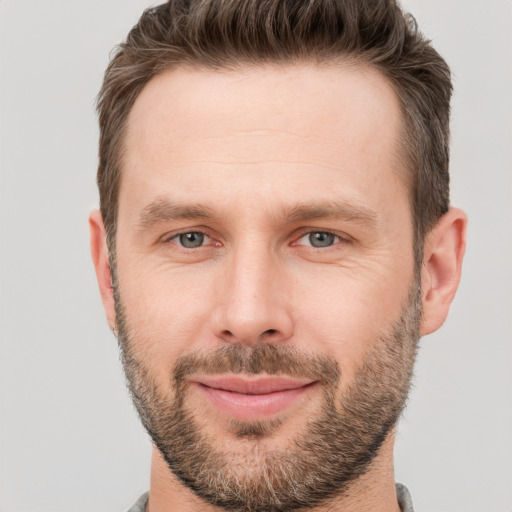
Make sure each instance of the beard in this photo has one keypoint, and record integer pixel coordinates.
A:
(335, 447)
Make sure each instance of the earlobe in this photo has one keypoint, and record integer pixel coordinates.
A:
(442, 263)
(99, 253)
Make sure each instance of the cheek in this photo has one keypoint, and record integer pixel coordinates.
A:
(344, 316)
(167, 313)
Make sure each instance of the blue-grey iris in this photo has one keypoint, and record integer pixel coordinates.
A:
(191, 240)
(321, 239)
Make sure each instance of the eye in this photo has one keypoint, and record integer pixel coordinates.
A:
(319, 239)
(190, 240)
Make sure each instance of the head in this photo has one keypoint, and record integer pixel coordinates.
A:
(274, 237)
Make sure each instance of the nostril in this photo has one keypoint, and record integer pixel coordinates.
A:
(270, 331)
(228, 334)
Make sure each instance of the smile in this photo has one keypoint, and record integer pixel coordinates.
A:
(254, 399)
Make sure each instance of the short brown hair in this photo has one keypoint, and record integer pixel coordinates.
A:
(230, 33)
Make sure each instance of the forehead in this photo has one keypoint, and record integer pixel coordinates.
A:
(263, 125)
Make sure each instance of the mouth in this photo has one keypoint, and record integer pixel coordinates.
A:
(253, 399)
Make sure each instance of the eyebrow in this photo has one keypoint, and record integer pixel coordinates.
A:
(332, 210)
(162, 210)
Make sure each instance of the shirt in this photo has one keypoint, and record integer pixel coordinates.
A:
(404, 500)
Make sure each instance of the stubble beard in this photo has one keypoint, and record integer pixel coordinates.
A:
(333, 450)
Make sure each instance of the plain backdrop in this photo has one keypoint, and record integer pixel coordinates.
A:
(70, 440)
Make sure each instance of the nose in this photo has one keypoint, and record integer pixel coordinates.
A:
(253, 305)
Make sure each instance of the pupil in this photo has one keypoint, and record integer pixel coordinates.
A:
(321, 239)
(191, 240)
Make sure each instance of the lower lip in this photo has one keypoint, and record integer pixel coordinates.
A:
(253, 407)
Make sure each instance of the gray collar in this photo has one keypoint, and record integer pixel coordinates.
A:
(404, 500)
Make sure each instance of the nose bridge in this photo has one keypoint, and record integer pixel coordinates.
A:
(253, 307)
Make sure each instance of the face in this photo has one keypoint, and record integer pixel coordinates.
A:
(266, 302)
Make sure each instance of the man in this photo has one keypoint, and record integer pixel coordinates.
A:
(274, 237)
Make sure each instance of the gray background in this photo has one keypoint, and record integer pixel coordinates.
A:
(69, 439)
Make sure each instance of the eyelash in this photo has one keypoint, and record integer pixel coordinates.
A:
(170, 238)
(340, 238)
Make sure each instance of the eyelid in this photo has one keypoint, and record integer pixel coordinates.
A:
(168, 237)
(343, 237)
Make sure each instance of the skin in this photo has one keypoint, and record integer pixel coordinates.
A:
(272, 154)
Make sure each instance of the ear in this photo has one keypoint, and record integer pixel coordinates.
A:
(442, 263)
(99, 254)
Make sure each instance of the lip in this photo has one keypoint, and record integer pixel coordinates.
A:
(252, 399)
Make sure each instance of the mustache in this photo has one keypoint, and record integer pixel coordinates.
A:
(271, 359)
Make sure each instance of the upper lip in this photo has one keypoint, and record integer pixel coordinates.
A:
(254, 386)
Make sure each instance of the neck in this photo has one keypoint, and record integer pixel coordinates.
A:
(372, 492)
